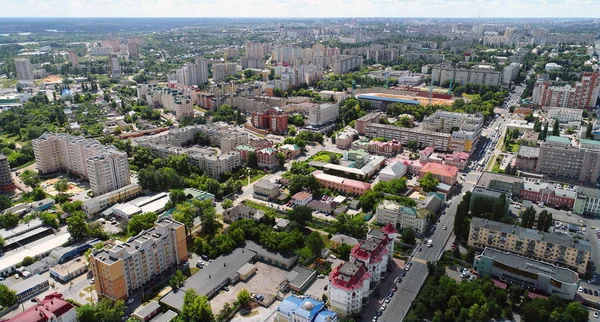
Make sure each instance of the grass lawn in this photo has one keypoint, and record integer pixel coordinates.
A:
(257, 177)
(7, 83)
(469, 96)
(514, 147)
(11, 138)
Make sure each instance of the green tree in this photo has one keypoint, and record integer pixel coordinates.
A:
(185, 213)
(315, 242)
(227, 203)
(369, 200)
(8, 297)
(556, 128)
(528, 217)
(412, 145)
(141, 222)
(70, 207)
(9, 220)
(177, 196)
(544, 221)
(281, 159)
(77, 227)
(49, 219)
(301, 215)
(499, 209)
(209, 222)
(30, 178)
(545, 131)
(588, 131)
(38, 194)
(408, 236)
(243, 297)
(5, 202)
(61, 185)
(196, 308)
(28, 260)
(176, 279)
(428, 182)
(252, 160)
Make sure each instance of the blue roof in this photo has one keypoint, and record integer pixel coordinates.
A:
(289, 304)
(309, 304)
(323, 315)
(387, 99)
(308, 308)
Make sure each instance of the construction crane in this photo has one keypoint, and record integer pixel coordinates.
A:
(353, 87)
(450, 88)
(430, 92)
(387, 79)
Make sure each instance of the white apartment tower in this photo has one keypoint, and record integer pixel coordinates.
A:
(24, 71)
(202, 70)
(105, 167)
(115, 69)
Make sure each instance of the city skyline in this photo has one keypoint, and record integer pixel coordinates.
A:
(302, 8)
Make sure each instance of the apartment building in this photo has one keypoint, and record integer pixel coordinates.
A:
(267, 158)
(6, 181)
(95, 205)
(565, 115)
(387, 212)
(105, 167)
(361, 123)
(424, 138)
(375, 252)
(231, 52)
(273, 119)
(133, 48)
(346, 63)
(560, 158)
(115, 69)
(170, 99)
(559, 249)
(73, 59)
(582, 95)
(349, 288)
(510, 73)
(465, 128)
(479, 74)
(24, 71)
(222, 70)
(343, 139)
(349, 186)
(123, 269)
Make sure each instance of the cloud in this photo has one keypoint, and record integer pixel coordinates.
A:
(299, 8)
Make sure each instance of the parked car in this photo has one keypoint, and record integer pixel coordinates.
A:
(387, 300)
(131, 300)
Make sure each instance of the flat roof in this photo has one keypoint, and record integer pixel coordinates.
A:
(300, 275)
(26, 235)
(165, 317)
(28, 283)
(287, 260)
(527, 264)
(557, 239)
(147, 309)
(211, 276)
(407, 99)
(66, 268)
(528, 151)
(487, 177)
(44, 245)
(20, 229)
(558, 139)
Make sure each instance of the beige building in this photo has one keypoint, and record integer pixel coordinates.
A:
(105, 167)
(24, 71)
(123, 269)
(343, 139)
(169, 99)
(424, 138)
(558, 156)
(479, 74)
(559, 249)
(465, 128)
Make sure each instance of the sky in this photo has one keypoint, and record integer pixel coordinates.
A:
(300, 8)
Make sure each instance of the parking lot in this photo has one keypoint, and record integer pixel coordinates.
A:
(265, 281)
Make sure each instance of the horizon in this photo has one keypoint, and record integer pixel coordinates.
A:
(302, 9)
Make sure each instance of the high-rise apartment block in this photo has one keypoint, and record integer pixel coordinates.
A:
(24, 71)
(272, 119)
(257, 50)
(73, 58)
(170, 99)
(115, 69)
(510, 73)
(559, 249)
(352, 283)
(286, 54)
(222, 70)
(479, 74)
(346, 63)
(465, 128)
(559, 157)
(105, 167)
(133, 48)
(122, 270)
(6, 181)
(583, 94)
(231, 52)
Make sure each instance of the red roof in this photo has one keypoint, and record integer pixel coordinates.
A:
(389, 229)
(440, 169)
(48, 309)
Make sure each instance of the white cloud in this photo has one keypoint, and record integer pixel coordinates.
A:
(299, 8)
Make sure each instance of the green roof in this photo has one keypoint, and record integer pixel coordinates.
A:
(409, 211)
(558, 139)
(592, 142)
(439, 195)
(198, 194)
(245, 147)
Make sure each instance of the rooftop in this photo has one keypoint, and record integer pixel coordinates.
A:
(558, 140)
(52, 307)
(300, 275)
(487, 177)
(528, 152)
(556, 239)
(144, 311)
(27, 284)
(560, 274)
(164, 317)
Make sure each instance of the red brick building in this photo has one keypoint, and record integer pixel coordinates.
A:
(267, 158)
(272, 119)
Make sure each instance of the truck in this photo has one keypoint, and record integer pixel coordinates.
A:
(429, 243)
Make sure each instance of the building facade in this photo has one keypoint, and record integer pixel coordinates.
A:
(560, 158)
(24, 71)
(424, 138)
(123, 269)
(6, 180)
(582, 95)
(106, 168)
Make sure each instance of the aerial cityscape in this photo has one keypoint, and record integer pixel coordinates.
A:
(314, 162)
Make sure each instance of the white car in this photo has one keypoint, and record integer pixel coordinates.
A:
(580, 289)
(131, 300)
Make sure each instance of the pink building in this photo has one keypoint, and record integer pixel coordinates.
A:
(447, 174)
(335, 183)
(457, 159)
(267, 158)
(52, 308)
(425, 153)
(385, 148)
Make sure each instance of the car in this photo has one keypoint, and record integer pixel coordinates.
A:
(407, 268)
(320, 276)
(379, 312)
(131, 300)
(200, 264)
(394, 289)
(585, 290)
(34, 300)
(226, 289)
(383, 307)
(325, 288)
(596, 315)
(445, 227)
(403, 274)
(399, 280)
(420, 248)
(204, 257)
(387, 300)
(374, 319)
(92, 281)
(186, 263)
(332, 256)
(390, 294)
(595, 293)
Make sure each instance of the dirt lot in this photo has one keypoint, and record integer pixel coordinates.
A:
(265, 281)
(48, 187)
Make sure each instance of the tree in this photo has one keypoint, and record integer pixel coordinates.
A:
(412, 145)
(77, 227)
(184, 213)
(227, 203)
(209, 222)
(9, 220)
(301, 215)
(555, 128)
(49, 219)
(177, 196)
(141, 222)
(428, 182)
(544, 221)
(528, 217)
(176, 279)
(243, 297)
(588, 131)
(30, 178)
(38, 194)
(499, 209)
(5, 202)
(281, 159)
(61, 185)
(315, 242)
(196, 308)
(8, 297)
(545, 131)
(408, 236)
(369, 200)
(28, 260)
(252, 160)
(71, 207)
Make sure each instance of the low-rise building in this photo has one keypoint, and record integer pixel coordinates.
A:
(361, 123)
(266, 190)
(387, 212)
(267, 158)
(242, 211)
(97, 204)
(290, 150)
(51, 308)
(527, 158)
(344, 139)
(306, 309)
(29, 288)
(537, 276)
(322, 206)
(301, 198)
(447, 174)
(565, 115)
(529, 138)
(559, 249)
(155, 203)
(334, 183)
(68, 271)
(300, 278)
(395, 170)
(588, 202)
(146, 312)
(340, 239)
